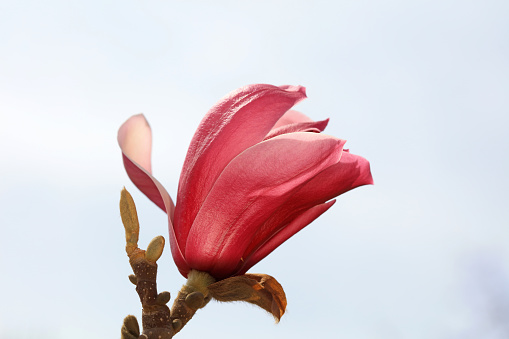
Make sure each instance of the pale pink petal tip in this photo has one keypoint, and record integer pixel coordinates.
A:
(135, 140)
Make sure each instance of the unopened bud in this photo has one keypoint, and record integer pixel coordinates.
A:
(176, 324)
(195, 300)
(155, 249)
(130, 220)
(163, 298)
(133, 279)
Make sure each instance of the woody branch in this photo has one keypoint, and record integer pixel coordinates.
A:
(157, 319)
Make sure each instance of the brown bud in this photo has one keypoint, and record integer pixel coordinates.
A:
(195, 300)
(176, 324)
(133, 279)
(155, 249)
(163, 298)
(130, 220)
(130, 328)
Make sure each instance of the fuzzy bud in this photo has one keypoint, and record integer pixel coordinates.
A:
(155, 249)
(130, 220)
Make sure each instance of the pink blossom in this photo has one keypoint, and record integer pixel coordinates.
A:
(255, 174)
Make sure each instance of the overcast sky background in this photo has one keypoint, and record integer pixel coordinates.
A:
(419, 88)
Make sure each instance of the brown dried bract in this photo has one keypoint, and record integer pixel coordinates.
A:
(258, 289)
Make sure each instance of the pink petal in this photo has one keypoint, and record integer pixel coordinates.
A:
(350, 172)
(291, 117)
(135, 140)
(284, 234)
(311, 126)
(249, 190)
(237, 122)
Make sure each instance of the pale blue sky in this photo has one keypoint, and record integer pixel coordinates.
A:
(419, 88)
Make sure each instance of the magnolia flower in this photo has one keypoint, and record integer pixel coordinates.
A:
(255, 174)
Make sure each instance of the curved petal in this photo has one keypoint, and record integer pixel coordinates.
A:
(350, 172)
(291, 117)
(284, 234)
(311, 126)
(135, 141)
(248, 191)
(237, 122)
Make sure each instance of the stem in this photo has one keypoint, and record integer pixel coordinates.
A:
(157, 319)
(191, 297)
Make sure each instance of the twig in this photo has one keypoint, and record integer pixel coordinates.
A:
(157, 319)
